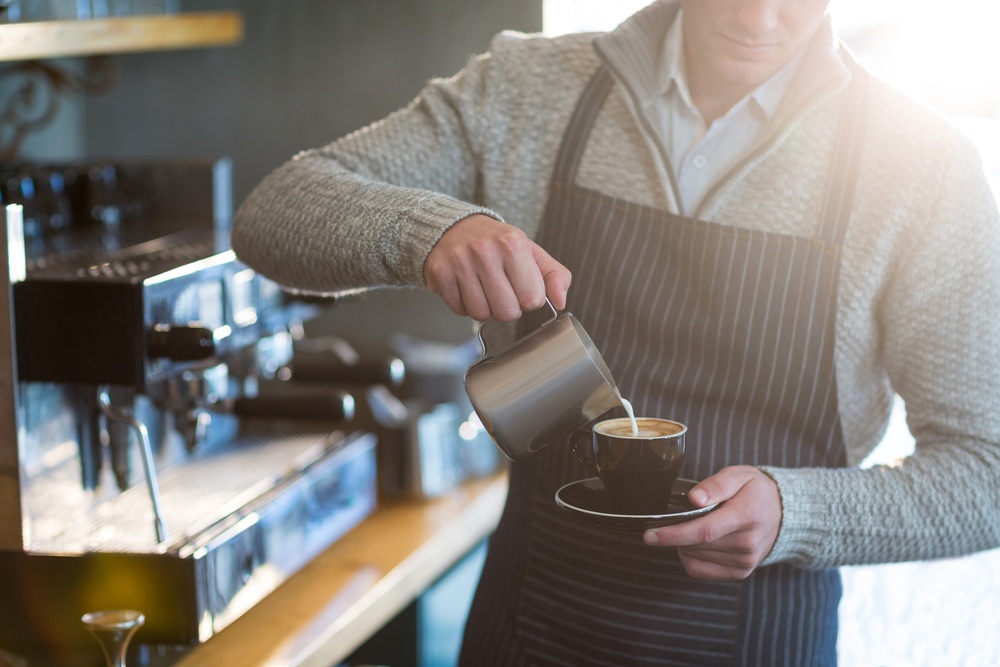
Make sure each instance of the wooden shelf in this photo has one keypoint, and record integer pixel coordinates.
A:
(56, 39)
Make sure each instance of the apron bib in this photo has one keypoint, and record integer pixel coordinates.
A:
(727, 330)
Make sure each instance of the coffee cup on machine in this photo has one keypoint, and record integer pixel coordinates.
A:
(638, 465)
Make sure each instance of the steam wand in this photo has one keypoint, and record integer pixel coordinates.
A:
(104, 400)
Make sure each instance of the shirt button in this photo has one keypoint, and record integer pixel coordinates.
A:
(699, 161)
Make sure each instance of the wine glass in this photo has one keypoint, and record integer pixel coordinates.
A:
(113, 629)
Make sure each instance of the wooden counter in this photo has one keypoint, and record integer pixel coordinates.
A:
(333, 605)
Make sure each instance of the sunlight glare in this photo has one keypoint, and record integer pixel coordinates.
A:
(945, 55)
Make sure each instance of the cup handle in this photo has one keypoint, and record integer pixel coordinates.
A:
(582, 446)
(490, 324)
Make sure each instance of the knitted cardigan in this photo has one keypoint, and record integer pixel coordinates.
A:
(918, 311)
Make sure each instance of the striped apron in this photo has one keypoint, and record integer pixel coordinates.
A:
(727, 330)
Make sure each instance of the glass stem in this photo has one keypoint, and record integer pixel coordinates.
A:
(113, 630)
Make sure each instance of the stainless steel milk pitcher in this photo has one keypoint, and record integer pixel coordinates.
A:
(543, 385)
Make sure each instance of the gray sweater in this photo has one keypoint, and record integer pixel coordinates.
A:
(918, 309)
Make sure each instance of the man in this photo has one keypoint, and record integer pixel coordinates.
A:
(764, 242)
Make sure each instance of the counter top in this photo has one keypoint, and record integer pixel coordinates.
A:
(335, 603)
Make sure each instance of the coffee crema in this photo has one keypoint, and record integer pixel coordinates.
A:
(647, 428)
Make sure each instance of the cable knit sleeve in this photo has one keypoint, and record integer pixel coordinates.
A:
(366, 209)
(938, 320)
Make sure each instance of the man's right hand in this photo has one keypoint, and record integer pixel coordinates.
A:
(484, 268)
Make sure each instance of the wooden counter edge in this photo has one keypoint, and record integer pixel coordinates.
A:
(320, 615)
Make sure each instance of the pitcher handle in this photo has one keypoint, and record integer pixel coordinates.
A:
(492, 323)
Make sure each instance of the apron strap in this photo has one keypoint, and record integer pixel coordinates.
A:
(580, 124)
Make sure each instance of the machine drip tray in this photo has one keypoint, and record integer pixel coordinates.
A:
(241, 521)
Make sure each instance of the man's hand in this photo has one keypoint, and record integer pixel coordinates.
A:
(484, 268)
(733, 540)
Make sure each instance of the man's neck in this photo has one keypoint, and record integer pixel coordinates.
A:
(714, 102)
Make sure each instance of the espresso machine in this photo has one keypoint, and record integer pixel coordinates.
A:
(155, 453)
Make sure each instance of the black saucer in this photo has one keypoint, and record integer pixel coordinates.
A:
(587, 500)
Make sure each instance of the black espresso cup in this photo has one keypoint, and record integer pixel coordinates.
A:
(638, 469)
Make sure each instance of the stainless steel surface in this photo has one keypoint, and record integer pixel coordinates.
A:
(10, 470)
(195, 494)
(148, 342)
(146, 451)
(245, 518)
(544, 385)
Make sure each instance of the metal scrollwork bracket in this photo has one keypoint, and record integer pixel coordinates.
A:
(33, 100)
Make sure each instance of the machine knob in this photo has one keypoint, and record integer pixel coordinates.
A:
(284, 402)
(180, 342)
(321, 367)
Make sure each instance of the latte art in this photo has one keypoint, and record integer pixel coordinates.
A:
(645, 428)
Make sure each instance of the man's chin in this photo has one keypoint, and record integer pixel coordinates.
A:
(747, 74)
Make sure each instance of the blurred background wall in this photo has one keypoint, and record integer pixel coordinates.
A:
(306, 72)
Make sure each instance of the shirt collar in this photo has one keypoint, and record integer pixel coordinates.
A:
(672, 66)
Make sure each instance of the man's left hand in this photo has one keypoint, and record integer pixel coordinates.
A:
(730, 542)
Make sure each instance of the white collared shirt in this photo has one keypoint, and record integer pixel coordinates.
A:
(700, 155)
